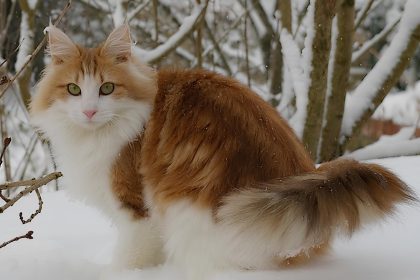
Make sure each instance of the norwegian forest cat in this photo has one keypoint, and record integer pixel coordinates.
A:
(193, 167)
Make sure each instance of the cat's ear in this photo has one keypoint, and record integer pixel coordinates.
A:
(60, 46)
(118, 44)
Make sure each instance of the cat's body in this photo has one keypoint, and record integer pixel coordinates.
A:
(193, 167)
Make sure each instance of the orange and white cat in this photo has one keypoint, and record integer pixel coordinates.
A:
(193, 167)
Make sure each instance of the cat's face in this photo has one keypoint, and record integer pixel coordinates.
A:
(92, 88)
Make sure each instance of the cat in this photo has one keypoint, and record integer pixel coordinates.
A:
(193, 167)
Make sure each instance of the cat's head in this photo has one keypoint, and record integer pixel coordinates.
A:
(92, 88)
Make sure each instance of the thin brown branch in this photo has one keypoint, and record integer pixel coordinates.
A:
(248, 74)
(8, 21)
(227, 32)
(132, 14)
(36, 51)
(155, 55)
(4, 198)
(28, 235)
(32, 185)
(217, 49)
(5, 157)
(363, 14)
(33, 215)
(301, 16)
(199, 41)
(6, 143)
(12, 53)
(156, 21)
(367, 46)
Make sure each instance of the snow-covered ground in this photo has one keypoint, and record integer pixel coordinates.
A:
(73, 241)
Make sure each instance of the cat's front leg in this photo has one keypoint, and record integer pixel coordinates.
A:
(138, 245)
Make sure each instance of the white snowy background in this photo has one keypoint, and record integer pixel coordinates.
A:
(74, 241)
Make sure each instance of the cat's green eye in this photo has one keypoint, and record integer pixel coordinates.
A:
(106, 88)
(73, 89)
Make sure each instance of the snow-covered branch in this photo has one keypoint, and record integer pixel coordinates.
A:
(294, 65)
(400, 144)
(368, 45)
(361, 104)
(189, 24)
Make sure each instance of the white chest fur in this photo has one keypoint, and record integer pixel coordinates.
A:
(86, 157)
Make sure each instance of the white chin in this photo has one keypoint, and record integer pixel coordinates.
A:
(89, 125)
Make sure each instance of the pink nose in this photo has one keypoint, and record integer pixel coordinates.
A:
(89, 113)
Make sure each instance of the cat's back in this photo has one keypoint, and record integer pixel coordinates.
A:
(210, 131)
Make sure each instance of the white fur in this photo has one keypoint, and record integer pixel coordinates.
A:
(201, 246)
(85, 151)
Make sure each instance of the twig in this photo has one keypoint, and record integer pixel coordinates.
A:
(5, 199)
(33, 215)
(226, 33)
(5, 153)
(155, 55)
(13, 52)
(156, 21)
(8, 21)
(32, 185)
(367, 46)
(301, 16)
(6, 143)
(363, 13)
(10, 185)
(36, 51)
(28, 235)
(217, 49)
(248, 75)
(137, 10)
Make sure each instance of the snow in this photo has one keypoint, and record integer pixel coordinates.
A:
(401, 108)
(293, 61)
(32, 4)
(399, 144)
(118, 16)
(73, 241)
(300, 67)
(26, 39)
(377, 38)
(361, 99)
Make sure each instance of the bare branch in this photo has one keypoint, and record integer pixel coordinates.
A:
(33, 215)
(248, 74)
(6, 143)
(28, 235)
(217, 48)
(367, 46)
(363, 13)
(133, 13)
(301, 16)
(35, 52)
(32, 185)
(176, 39)
(377, 84)
(8, 21)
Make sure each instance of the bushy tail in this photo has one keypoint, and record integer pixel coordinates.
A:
(305, 210)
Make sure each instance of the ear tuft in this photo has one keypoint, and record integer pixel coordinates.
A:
(60, 46)
(118, 44)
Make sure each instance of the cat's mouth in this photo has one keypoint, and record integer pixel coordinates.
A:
(94, 124)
